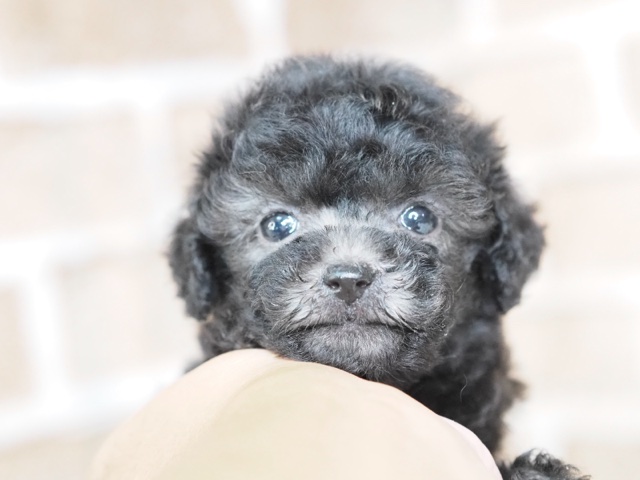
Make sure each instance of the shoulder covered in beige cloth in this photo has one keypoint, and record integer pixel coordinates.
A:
(251, 415)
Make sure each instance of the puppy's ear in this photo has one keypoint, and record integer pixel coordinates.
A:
(196, 268)
(515, 249)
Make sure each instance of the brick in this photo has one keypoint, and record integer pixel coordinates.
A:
(630, 57)
(576, 328)
(121, 314)
(605, 458)
(15, 374)
(68, 174)
(593, 224)
(540, 95)
(510, 12)
(363, 25)
(63, 458)
(576, 346)
(192, 126)
(36, 34)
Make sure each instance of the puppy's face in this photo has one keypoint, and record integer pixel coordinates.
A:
(336, 234)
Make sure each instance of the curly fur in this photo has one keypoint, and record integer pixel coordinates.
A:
(345, 146)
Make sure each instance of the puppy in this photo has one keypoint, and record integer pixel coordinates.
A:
(350, 213)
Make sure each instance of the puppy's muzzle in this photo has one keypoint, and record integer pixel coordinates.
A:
(348, 282)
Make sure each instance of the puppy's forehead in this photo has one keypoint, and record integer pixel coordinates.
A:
(337, 149)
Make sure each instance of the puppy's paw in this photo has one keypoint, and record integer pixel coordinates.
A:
(538, 465)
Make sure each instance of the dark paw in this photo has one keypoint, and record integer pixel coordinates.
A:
(537, 465)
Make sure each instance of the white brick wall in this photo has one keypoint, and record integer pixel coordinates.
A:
(98, 127)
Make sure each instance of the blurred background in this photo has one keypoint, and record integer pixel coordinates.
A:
(104, 106)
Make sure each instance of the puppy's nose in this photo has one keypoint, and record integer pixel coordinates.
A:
(348, 282)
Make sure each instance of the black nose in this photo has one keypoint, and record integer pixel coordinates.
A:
(348, 282)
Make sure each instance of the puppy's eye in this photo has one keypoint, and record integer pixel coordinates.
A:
(419, 219)
(278, 226)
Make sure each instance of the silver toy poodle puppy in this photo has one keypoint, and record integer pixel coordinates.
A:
(352, 213)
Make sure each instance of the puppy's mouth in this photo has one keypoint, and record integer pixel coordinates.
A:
(357, 347)
(350, 325)
(350, 321)
(357, 338)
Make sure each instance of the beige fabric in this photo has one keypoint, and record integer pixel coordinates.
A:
(250, 415)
